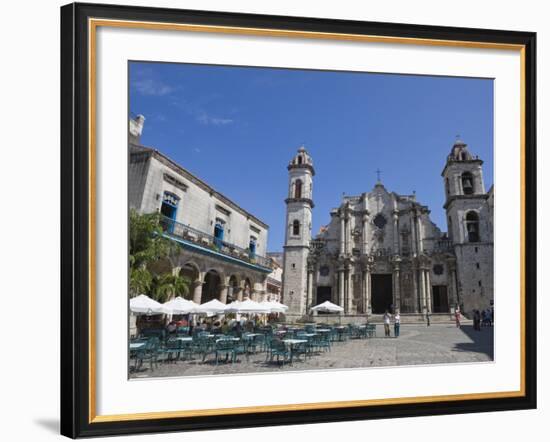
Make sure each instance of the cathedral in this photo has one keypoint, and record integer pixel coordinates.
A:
(381, 251)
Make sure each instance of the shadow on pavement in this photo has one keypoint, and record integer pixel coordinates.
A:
(482, 341)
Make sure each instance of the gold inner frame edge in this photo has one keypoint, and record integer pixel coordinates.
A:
(93, 24)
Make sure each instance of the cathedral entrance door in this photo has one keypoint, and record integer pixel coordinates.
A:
(324, 293)
(440, 300)
(382, 293)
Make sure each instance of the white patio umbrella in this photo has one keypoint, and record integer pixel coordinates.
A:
(280, 305)
(145, 305)
(274, 306)
(210, 308)
(247, 306)
(327, 307)
(179, 306)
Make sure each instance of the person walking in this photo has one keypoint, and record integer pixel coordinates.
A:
(387, 318)
(457, 317)
(396, 323)
(477, 320)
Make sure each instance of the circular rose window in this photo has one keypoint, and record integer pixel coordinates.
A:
(438, 269)
(324, 271)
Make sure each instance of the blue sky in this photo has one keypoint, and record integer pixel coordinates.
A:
(237, 128)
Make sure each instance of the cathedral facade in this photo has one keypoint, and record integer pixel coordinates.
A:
(381, 251)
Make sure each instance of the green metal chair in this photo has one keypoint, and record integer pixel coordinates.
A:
(172, 350)
(279, 349)
(225, 347)
(301, 349)
(203, 346)
(149, 352)
(241, 348)
(371, 330)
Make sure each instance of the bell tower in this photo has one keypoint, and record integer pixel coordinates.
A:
(299, 204)
(469, 227)
(464, 192)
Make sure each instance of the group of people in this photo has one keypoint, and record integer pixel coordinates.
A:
(396, 323)
(483, 318)
(214, 325)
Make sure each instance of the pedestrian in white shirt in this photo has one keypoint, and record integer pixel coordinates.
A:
(396, 323)
(387, 319)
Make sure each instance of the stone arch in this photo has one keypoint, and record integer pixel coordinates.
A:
(467, 180)
(298, 186)
(472, 226)
(233, 286)
(212, 284)
(191, 270)
(247, 287)
(296, 227)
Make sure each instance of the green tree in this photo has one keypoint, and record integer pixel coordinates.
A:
(169, 285)
(146, 241)
(141, 281)
(147, 247)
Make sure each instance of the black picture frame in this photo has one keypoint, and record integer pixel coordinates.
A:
(76, 248)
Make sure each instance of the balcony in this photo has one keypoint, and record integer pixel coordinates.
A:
(189, 235)
(444, 245)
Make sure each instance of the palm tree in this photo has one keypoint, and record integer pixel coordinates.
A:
(148, 246)
(140, 281)
(169, 285)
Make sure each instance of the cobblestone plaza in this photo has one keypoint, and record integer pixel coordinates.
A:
(416, 345)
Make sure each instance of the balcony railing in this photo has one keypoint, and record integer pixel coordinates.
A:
(178, 230)
(444, 245)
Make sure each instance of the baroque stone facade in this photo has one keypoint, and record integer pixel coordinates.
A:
(380, 250)
(223, 246)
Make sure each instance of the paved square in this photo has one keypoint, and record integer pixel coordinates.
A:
(417, 344)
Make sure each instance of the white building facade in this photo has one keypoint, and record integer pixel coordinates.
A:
(223, 246)
(380, 250)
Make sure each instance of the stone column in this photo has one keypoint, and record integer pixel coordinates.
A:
(415, 294)
(364, 235)
(363, 292)
(413, 233)
(197, 291)
(223, 293)
(348, 235)
(453, 298)
(428, 291)
(309, 298)
(422, 290)
(342, 234)
(349, 292)
(341, 287)
(419, 239)
(238, 293)
(396, 288)
(395, 232)
(368, 308)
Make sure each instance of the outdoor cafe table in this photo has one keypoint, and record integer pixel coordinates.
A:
(323, 330)
(292, 344)
(136, 345)
(184, 339)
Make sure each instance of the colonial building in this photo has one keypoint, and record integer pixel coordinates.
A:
(380, 250)
(223, 246)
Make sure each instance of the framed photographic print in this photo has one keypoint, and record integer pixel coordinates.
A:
(274, 220)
